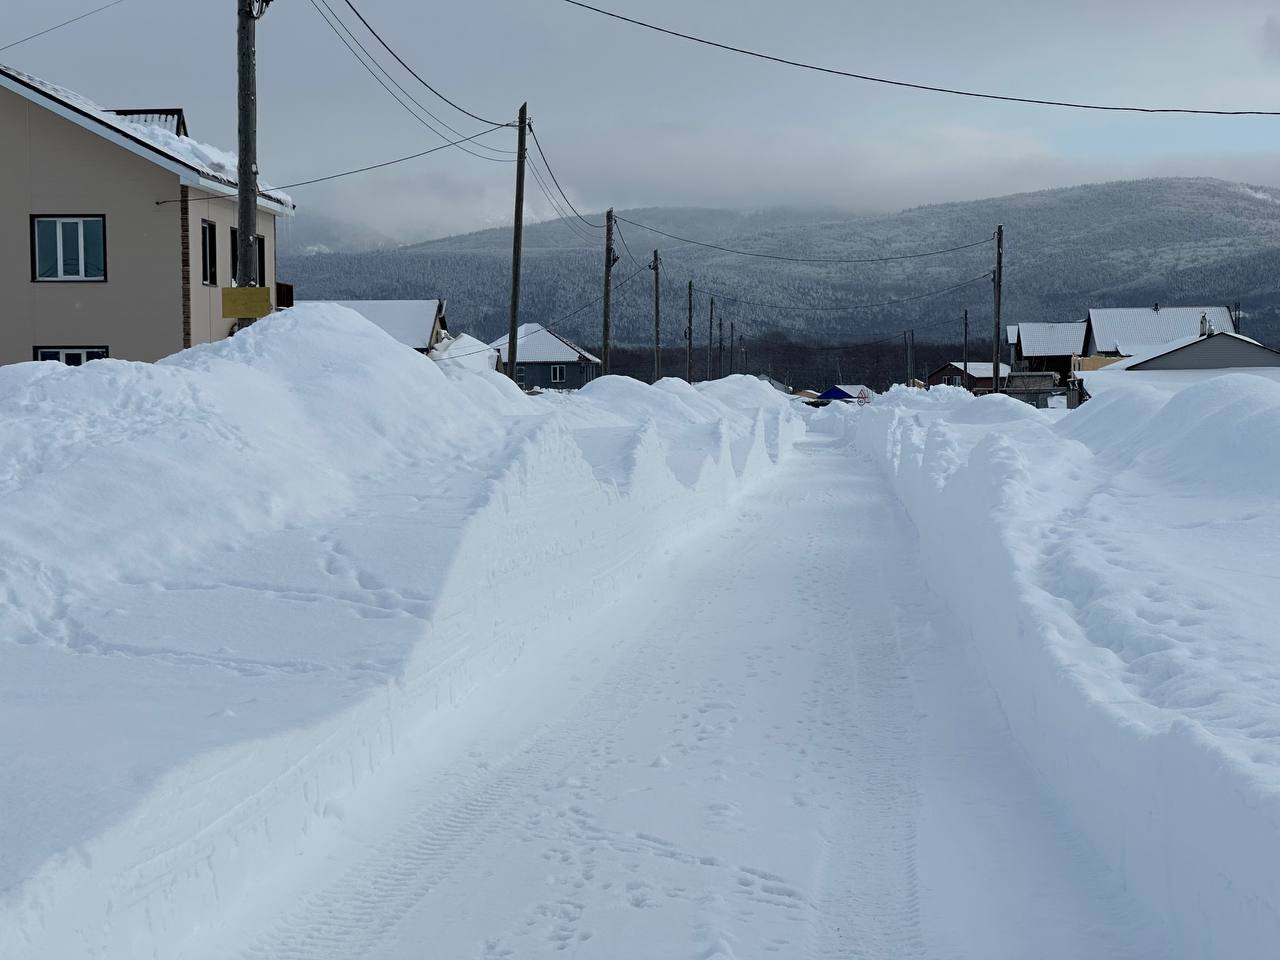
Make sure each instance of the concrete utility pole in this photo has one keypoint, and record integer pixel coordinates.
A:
(997, 283)
(517, 238)
(249, 12)
(966, 349)
(688, 340)
(610, 258)
(711, 332)
(656, 267)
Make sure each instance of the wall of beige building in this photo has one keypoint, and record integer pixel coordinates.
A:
(207, 323)
(51, 166)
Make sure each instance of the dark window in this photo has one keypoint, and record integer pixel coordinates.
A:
(259, 245)
(71, 356)
(557, 373)
(209, 253)
(520, 374)
(68, 248)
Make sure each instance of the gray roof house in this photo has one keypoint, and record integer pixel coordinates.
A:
(1049, 347)
(1127, 331)
(546, 360)
(115, 229)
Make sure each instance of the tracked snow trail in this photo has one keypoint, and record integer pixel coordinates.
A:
(772, 746)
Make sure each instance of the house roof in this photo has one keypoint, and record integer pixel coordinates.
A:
(845, 391)
(1052, 339)
(409, 321)
(1129, 330)
(1151, 353)
(977, 369)
(172, 119)
(196, 164)
(1011, 333)
(537, 344)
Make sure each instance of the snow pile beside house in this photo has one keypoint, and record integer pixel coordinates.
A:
(235, 578)
(1116, 569)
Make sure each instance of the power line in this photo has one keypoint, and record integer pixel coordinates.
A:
(772, 256)
(378, 166)
(334, 25)
(618, 230)
(562, 217)
(400, 60)
(845, 309)
(59, 26)
(546, 163)
(917, 86)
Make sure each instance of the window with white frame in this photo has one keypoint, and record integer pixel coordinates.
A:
(208, 253)
(520, 374)
(68, 248)
(71, 356)
(557, 373)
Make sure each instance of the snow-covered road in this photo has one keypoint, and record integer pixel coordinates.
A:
(773, 744)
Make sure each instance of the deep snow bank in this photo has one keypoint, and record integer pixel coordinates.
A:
(1116, 568)
(235, 578)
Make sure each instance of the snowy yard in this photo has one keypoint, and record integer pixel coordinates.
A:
(341, 653)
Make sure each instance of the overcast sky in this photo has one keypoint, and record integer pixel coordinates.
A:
(632, 118)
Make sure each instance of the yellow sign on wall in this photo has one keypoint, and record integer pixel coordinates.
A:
(248, 302)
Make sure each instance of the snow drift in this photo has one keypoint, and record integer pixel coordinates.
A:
(235, 578)
(1116, 569)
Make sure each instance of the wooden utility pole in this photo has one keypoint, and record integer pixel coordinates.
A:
(720, 351)
(516, 240)
(248, 13)
(911, 358)
(711, 332)
(997, 282)
(906, 349)
(688, 340)
(742, 355)
(656, 267)
(610, 258)
(732, 358)
(966, 349)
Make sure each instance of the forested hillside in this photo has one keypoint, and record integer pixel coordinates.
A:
(1177, 241)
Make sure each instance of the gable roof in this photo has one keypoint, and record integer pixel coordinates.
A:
(196, 164)
(537, 344)
(1129, 330)
(412, 322)
(1139, 361)
(1052, 339)
(977, 369)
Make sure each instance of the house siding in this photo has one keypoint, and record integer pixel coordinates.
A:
(51, 166)
(1214, 353)
(207, 323)
(576, 375)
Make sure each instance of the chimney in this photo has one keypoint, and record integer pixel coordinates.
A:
(1204, 324)
(1156, 308)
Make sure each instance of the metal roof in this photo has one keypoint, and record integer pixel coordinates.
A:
(195, 163)
(537, 344)
(1129, 329)
(1052, 339)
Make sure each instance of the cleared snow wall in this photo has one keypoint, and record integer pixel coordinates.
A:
(1192, 828)
(546, 522)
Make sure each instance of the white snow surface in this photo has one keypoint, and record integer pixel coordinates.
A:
(1115, 567)
(234, 576)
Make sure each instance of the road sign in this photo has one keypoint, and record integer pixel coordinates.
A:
(863, 397)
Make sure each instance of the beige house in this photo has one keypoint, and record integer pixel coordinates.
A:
(116, 229)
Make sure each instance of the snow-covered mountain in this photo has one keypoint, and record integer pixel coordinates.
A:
(1167, 240)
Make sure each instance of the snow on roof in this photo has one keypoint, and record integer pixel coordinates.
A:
(1117, 329)
(980, 370)
(409, 321)
(537, 344)
(1052, 339)
(158, 142)
(1151, 351)
(1011, 333)
(465, 351)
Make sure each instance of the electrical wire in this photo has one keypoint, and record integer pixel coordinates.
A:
(546, 163)
(377, 166)
(618, 230)
(772, 256)
(917, 86)
(400, 60)
(849, 308)
(59, 26)
(334, 25)
(561, 216)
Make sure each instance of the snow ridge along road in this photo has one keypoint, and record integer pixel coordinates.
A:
(766, 747)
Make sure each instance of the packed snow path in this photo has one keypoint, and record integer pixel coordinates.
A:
(772, 746)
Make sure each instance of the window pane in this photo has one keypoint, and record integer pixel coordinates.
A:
(95, 250)
(235, 256)
(70, 248)
(46, 249)
(95, 355)
(260, 245)
(73, 358)
(50, 355)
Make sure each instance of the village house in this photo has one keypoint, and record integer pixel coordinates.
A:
(546, 360)
(976, 380)
(117, 230)
(420, 324)
(1128, 331)
(1048, 348)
